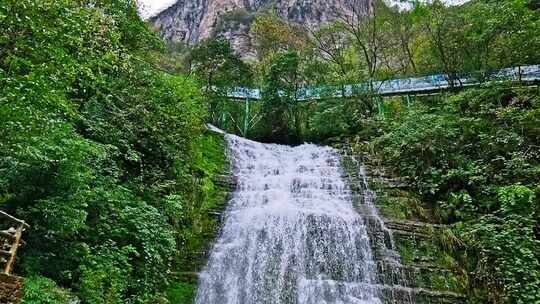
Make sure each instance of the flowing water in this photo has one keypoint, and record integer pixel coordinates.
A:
(291, 234)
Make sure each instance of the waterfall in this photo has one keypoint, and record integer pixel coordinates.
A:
(291, 234)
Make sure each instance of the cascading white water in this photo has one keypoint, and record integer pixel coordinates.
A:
(291, 234)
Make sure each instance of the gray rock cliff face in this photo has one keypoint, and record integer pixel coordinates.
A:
(190, 21)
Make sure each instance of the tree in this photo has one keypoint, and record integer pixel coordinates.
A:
(273, 35)
(401, 31)
(219, 69)
(215, 63)
(364, 25)
(332, 44)
(94, 139)
(444, 35)
(510, 30)
(281, 84)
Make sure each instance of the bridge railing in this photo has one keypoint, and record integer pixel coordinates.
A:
(413, 85)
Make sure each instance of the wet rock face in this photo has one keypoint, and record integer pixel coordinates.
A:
(190, 21)
(412, 267)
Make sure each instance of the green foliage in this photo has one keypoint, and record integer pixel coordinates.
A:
(398, 204)
(219, 69)
(473, 157)
(334, 118)
(40, 290)
(508, 244)
(199, 226)
(96, 148)
(103, 274)
(181, 293)
(475, 37)
(273, 35)
(216, 64)
(106, 157)
(281, 83)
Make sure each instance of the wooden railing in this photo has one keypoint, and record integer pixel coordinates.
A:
(10, 240)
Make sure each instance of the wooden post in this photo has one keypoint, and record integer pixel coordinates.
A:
(13, 250)
(11, 255)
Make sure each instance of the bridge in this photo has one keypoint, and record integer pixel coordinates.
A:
(408, 86)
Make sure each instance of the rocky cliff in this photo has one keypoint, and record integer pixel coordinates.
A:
(190, 21)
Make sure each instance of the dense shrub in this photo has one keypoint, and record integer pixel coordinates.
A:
(181, 293)
(95, 147)
(474, 157)
(40, 290)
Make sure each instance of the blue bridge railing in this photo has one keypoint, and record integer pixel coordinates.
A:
(406, 86)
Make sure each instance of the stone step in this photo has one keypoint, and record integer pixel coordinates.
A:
(407, 224)
(413, 275)
(395, 294)
(226, 181)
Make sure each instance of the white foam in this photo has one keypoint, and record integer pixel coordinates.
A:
(290, 234)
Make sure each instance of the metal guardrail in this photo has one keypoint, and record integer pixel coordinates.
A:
(415, 85)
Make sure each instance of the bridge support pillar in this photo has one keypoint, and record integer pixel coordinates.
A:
(246, 118)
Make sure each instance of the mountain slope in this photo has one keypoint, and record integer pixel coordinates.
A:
(190, 21)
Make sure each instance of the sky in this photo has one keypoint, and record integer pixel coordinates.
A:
(152, 7)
